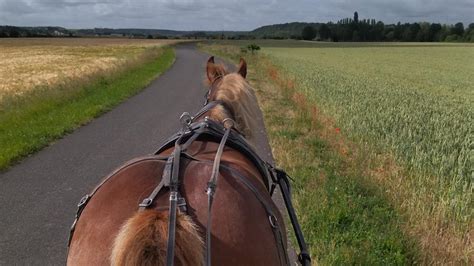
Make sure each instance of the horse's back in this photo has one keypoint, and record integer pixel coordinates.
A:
(241, 233)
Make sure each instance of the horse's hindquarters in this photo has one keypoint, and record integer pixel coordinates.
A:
(241, 231)
(113, 203)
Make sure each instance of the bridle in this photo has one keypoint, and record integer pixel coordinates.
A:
(212, 87)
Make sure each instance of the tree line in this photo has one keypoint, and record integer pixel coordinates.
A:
(366, 30)
(347, 29)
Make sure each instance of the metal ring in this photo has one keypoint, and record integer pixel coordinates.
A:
(273, 221)
(185, 119)
(228, 120)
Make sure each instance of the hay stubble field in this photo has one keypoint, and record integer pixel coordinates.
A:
(50, 86)
(34, 63)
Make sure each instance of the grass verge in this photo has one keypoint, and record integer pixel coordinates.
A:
(346, 219)
(31, 122)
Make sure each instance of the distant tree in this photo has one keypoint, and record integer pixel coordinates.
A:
(356, 17)
(433, 35)
(444, 32)
(414, 29)
(423, 34)
(355, 36)
(397, 32)
(469, 34)
(253, 48)
(308, 33)
(324, 32)
(458, 29)
(149, 36)
(14, 32)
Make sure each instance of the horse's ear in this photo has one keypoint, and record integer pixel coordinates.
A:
(242, 68)
(210, 60)
(211, 69)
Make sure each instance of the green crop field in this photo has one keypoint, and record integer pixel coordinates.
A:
(417, 102)
(407, 111)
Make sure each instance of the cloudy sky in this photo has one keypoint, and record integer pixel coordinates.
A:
(223, 14)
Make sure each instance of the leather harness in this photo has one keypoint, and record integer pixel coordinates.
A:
(226, 135)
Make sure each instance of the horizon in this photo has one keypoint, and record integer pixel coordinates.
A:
(211, 15)
(204, 30)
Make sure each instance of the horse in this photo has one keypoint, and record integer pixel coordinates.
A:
(118, 224)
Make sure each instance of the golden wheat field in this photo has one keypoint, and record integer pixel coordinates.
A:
(37, 63)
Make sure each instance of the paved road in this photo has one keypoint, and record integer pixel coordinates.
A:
(38, 196)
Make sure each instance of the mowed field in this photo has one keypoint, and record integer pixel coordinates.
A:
(50, 86)
(395, 119)
(44, 62)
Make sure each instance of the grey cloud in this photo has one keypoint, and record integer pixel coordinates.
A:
(223, 15)
(15, 7)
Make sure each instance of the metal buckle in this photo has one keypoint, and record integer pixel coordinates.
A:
(273, 221)
(182, 205)
(173, 196)
(83, 200)
(145, 203)
(211, 188)
(186, 120)
(304, 258)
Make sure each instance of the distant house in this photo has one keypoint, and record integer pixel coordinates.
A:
(58, 33)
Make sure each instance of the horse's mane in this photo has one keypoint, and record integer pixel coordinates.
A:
(238, 95)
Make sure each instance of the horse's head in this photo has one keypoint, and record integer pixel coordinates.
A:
(238, 98)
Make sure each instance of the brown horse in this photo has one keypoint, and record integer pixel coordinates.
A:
(247, 228)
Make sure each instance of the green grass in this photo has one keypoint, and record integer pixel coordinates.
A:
(345, 220)
(33, 121)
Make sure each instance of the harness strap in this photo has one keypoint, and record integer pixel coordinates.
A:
(149, 200)
(211, 188)
(174, 186)
(304, 256)
(206, 108)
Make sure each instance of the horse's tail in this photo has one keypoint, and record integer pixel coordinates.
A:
(143, 241)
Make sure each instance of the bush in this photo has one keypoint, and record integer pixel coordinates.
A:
(253, 48)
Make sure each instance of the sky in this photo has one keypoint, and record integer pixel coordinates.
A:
(223, 14)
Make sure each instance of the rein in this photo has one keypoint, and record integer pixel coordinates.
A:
(212, 185)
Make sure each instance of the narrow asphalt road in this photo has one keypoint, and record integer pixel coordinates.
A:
(38, 196)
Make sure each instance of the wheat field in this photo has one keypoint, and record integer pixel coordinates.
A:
(413, 103)
(33, 63)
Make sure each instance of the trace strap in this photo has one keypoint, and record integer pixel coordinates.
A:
(282, 178)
